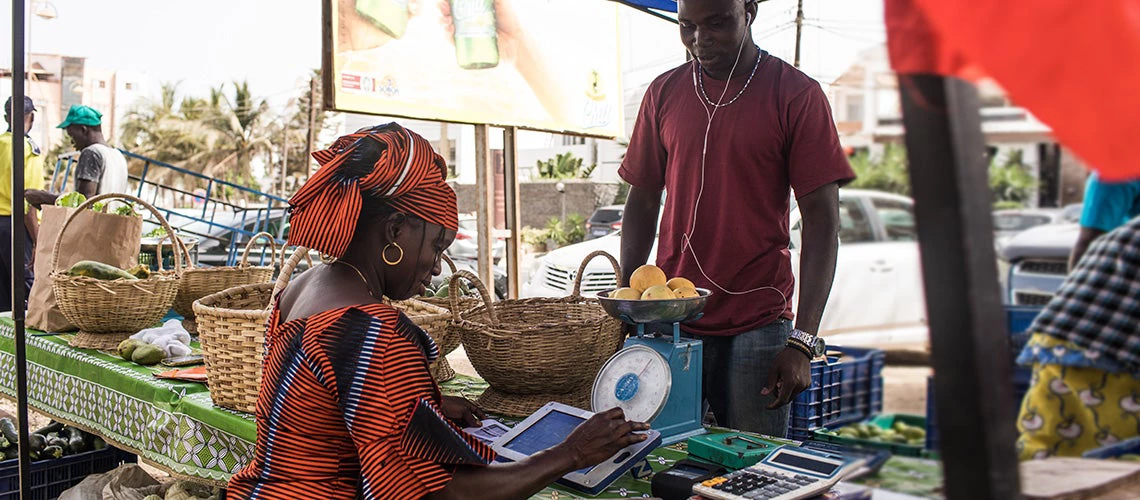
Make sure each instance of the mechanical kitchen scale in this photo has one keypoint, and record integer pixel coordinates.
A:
(656, 376)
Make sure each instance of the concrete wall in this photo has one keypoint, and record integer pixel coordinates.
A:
(540, 200)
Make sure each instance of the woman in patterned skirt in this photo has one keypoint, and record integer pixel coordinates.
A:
(1085, 354)
(348, 407)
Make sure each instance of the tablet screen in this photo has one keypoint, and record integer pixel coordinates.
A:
(545, 433)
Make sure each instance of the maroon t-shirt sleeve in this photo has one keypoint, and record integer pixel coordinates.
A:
(645, 158)
(815, 157)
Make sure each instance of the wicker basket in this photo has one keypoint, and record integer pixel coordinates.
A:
(231, 328)
(464, 303)
(434, 320)
(200, 282)
(107, 312)
(533, 351)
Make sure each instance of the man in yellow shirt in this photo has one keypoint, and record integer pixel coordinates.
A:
(33, 179)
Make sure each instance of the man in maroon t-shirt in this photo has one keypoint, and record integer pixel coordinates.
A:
(729, 179)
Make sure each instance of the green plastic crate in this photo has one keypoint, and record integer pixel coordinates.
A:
(885, 421)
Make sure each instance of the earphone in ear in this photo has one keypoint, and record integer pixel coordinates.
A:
(747, 18)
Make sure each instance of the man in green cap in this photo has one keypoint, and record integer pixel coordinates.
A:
(101, 168)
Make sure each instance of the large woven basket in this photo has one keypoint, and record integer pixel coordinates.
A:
(107, 312)
(533, 351)
(434, 320)
(200, 282)
(464, 303)
(231, 328)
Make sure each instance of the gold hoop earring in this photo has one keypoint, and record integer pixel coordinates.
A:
(384, 254)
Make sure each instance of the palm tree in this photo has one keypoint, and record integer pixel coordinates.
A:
(239, 122)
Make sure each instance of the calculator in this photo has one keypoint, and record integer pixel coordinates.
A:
(788, 473)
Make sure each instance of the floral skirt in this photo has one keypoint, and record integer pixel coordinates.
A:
(1069, 410)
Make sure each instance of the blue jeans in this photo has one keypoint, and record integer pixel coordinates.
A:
(736, 369)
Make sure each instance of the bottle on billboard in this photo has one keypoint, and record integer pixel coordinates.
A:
(476, 33)
(391, 16)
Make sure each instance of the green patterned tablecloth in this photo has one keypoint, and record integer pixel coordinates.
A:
(175, 425)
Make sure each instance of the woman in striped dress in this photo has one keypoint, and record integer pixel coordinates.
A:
(348, 407)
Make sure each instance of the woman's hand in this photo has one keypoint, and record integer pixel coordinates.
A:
(463, 412)
(601, 437)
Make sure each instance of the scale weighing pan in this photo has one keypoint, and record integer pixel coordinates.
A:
(654, 311)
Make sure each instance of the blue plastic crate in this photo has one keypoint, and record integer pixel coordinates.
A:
(1020, 387)
(841, 392)
(50, 478)
(1126, 447)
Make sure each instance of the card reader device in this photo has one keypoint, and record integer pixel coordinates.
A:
(550, 425)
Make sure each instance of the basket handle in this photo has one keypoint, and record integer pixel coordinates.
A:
(582, 270)
(284, 259)
(178, 245)
(113, 196)
(450, 263)
(272, 246)
(287, 273)
(453, 295)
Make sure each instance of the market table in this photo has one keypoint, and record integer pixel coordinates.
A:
(175, 426)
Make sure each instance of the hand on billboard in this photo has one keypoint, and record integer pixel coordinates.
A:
(355, 32)
(507, 25)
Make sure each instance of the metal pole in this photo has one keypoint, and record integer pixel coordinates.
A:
(284, 155)
(485, 192)
(513, 207)
(18, 239)
(973, 373)
(799, 30)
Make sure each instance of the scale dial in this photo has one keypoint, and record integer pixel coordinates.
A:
(636, 379)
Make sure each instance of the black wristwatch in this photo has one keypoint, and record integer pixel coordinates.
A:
(816, 347)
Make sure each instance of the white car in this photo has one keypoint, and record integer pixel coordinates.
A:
(877, 296)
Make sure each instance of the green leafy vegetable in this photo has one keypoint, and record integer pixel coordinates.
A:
(70, 200)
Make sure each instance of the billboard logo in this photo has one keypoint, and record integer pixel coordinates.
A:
(365, 84)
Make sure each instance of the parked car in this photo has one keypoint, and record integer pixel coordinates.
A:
(605, 220)
(878, 252)
(1035, 262)
(466, 245)
(1008, 223)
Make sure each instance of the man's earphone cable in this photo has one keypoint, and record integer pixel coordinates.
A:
(686, 238)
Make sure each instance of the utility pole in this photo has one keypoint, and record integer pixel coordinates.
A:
(799, 30)
(312, 118)
(284, 154)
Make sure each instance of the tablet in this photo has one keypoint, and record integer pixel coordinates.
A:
(550, 425)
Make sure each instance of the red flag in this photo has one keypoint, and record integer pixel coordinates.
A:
(1075, 64)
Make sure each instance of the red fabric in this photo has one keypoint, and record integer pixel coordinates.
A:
(336, 412)
(778, 134)
(408, 175)
(1074, 63)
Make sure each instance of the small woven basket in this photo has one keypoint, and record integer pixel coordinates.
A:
(231, 328)
(108, 312)
(533, 351)
(434, 320)
(202, 281)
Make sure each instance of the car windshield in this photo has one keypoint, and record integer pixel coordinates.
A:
(606, 216)
(1018, 222)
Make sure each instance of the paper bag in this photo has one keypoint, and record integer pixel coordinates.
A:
(107, 238)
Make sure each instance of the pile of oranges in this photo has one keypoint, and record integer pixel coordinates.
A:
(649, 282)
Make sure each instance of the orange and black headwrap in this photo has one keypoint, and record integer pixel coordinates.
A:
(408, 176)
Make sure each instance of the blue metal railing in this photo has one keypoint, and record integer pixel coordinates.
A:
(268, 214)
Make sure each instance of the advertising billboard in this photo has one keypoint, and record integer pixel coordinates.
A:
(539, 64)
